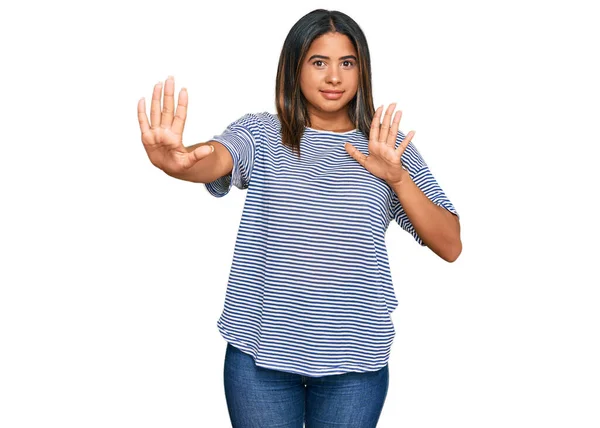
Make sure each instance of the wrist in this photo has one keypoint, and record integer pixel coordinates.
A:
(401, 180)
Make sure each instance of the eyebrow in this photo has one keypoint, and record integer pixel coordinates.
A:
(326, 57)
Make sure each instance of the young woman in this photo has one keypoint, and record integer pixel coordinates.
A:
(307, 315)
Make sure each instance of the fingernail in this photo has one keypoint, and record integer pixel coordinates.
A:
(212, 148)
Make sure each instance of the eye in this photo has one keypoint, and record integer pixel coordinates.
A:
(317, 61)
(350, 63)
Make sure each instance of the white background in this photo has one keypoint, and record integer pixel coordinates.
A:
(113, 274)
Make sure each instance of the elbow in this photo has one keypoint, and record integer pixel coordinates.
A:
(454, 247)
(453, 252)
(448, 252)
(447, 244)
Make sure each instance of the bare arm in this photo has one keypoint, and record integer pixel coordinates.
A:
(438, 228)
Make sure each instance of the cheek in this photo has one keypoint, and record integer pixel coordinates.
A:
(310, 79)
(354, 83)
(308, 85)
(305, 81)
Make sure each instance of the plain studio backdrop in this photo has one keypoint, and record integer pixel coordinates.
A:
(113, 274)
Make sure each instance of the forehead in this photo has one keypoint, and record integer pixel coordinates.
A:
(332, 42)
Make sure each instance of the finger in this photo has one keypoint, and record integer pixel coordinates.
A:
(181, 114)
(393, 135)
(355, 153)
(166, 119)
(155, 106)
(385, 126)
(405, 142)
(198, 154)
(374, 133)
(142, 117)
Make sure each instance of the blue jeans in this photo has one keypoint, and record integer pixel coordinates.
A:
(260, 398)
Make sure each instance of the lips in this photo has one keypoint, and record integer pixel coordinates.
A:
(332, 95)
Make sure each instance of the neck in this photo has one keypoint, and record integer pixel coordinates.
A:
(335, 122)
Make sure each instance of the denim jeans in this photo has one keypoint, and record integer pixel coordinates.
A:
(260, 398)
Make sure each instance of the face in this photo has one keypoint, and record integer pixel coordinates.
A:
(330, 65)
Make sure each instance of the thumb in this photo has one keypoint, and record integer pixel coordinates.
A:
(355, 153)
(200, 153)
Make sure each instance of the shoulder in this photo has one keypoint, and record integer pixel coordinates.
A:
(260, 127)
(267, 119)
(266, 123)
(263, 119)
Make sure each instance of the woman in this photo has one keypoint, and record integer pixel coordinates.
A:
(307, 315)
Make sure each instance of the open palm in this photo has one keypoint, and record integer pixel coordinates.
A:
(162, 136)
(384, 159)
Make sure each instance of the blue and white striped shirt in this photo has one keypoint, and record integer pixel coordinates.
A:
(310, 290)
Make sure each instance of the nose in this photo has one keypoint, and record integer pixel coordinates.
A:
(333, 76)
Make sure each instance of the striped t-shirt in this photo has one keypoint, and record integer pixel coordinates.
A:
(310, 290)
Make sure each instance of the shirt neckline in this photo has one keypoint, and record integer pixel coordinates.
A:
(332, 132)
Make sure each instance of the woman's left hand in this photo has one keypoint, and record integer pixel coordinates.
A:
(384, 159)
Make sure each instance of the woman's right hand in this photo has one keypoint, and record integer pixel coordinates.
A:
(162, 137)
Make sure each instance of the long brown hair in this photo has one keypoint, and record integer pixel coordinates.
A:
(290, 102)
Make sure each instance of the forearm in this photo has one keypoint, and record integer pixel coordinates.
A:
(438, 228)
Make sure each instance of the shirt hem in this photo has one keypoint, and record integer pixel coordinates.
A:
(233, 341)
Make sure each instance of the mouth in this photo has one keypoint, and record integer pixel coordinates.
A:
(332, 95)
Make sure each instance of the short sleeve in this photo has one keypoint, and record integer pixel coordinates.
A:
(421, 175)
(242, 139)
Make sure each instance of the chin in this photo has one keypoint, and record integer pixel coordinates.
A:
(332, 106)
